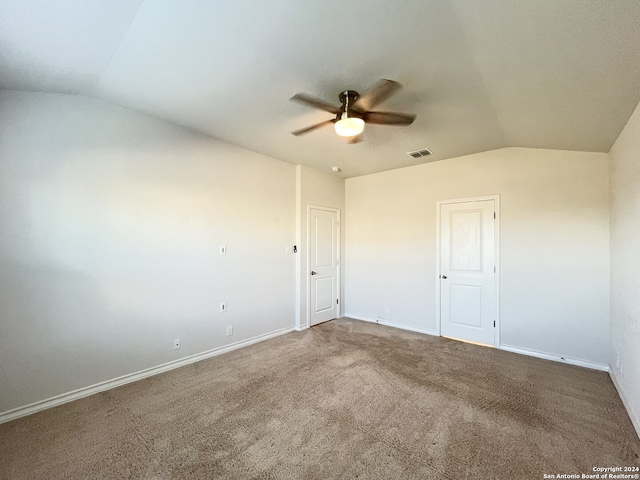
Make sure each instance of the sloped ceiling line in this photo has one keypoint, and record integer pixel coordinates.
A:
(478, 75)
(93, 91)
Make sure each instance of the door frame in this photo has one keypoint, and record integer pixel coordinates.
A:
(308, 260)
(496, 246)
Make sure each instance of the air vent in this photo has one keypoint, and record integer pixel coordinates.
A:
(423, 152)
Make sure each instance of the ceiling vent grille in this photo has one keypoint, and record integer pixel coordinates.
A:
(423, 152)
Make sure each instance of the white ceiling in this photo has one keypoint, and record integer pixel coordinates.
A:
(479, 74)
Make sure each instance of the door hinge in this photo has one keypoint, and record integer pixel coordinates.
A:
(337, 300)
(494, 215)
(494, 324)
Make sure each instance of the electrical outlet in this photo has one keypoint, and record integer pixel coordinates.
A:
(176, 344)
(387, 310)
(229, 330)
(223, 307)
(223, 250)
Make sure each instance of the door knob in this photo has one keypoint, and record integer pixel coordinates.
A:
(444, 277)
(313, 273)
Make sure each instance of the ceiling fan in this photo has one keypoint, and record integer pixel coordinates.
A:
(355, 110)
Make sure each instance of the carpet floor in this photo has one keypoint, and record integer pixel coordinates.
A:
(345, 399)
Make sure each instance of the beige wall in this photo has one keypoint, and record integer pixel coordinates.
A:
(625, 265)
(554, 245)
(111, 226)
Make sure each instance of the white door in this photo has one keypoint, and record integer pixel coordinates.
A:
(323, 265)
(467, 271)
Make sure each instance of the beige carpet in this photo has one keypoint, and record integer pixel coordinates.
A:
(345, 399)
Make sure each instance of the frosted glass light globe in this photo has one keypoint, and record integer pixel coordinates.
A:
(349, 127)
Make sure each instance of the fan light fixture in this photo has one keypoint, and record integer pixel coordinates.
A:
(355, 110)
(349, 126)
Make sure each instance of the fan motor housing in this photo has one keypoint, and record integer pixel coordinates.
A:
(348, 98)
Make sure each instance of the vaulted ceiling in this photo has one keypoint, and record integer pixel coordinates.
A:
(479, 74)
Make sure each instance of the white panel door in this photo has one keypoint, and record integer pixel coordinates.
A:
(323, 265)
(467, 271)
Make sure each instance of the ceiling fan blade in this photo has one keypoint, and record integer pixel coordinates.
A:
(315, 103)
(389, 118)
(302, 131)
(382, 90)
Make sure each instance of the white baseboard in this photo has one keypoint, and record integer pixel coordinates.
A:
(625, 401)
(557, 358)
(522, 351)
(133, 377)
(387, 323)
